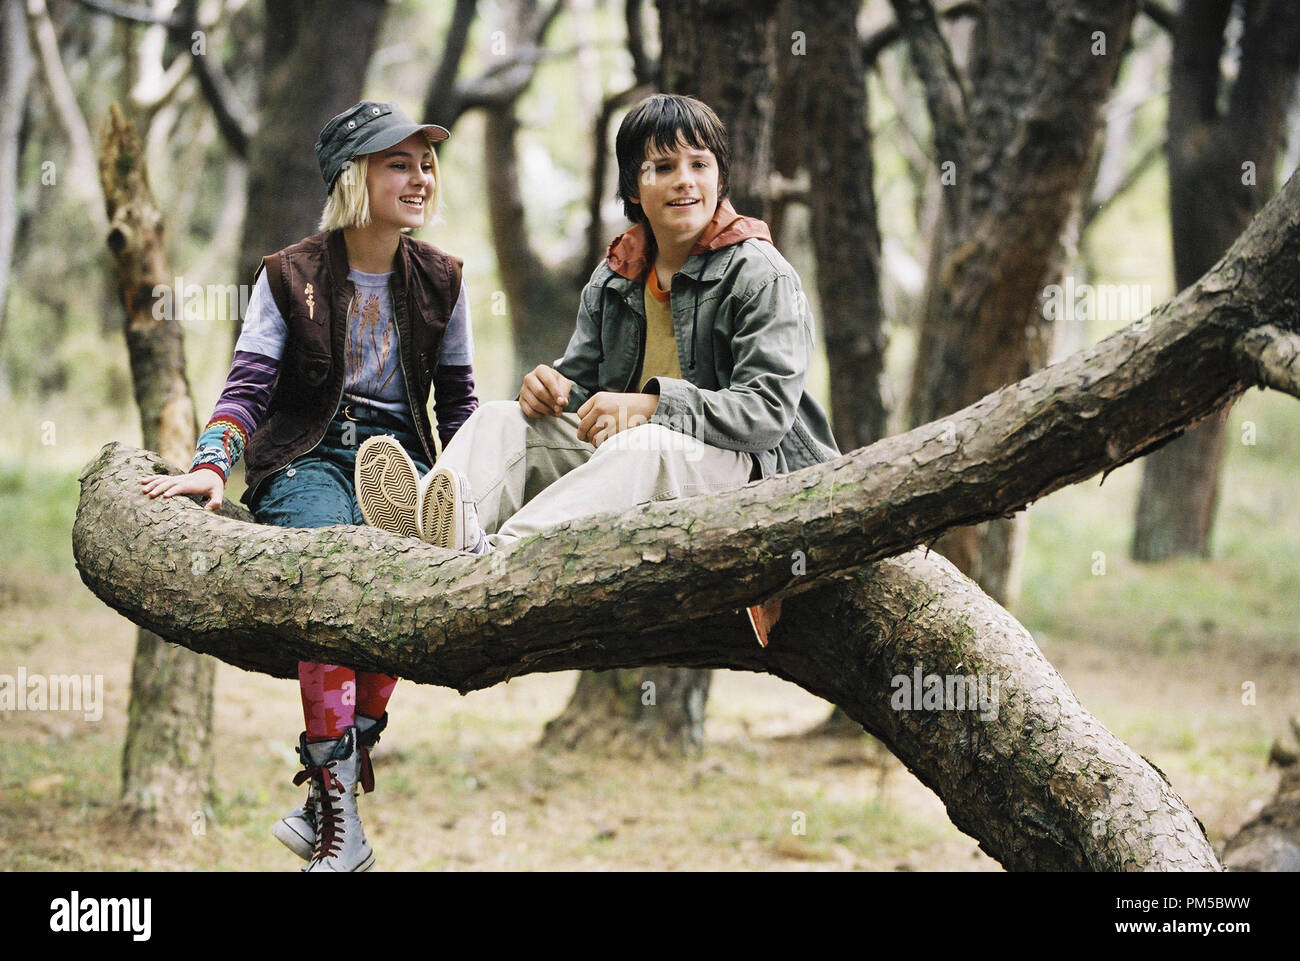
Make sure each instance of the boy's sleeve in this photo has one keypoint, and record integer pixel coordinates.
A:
(581, 360)
(772, 347)
(247, 392)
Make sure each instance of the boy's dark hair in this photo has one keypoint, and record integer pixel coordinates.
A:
(661, 121)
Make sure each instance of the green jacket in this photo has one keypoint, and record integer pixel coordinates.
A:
(744, 342)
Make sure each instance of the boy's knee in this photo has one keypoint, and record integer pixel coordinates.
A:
(655, 441)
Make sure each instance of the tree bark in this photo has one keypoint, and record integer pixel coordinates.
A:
(655, 711)
(540, 299)
(167, 757)
(1043, 786)
(824, 95)
(1018, 146)
(1207, 149)
(314, 61)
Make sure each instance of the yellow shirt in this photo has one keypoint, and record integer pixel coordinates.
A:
(659, 358)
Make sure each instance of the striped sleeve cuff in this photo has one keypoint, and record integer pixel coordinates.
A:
(220, 446)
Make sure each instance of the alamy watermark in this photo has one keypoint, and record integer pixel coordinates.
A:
(1116, 303)
(52, 692)
(75, 914)
(946, 692)
(200, 302)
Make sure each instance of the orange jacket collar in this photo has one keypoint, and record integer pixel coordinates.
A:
(630, 254)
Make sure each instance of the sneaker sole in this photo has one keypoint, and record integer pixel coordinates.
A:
(439, 505)
(387, 486)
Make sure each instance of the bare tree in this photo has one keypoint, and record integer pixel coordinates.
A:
(167, 759)
(1223, 143)
(1012, 141)
(17, 68)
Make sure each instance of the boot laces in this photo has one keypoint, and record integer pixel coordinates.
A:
(329, 791)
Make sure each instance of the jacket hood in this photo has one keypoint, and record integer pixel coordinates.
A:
(631, 253)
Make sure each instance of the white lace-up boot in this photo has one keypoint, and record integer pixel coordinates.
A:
(341, 843)
(297, 829)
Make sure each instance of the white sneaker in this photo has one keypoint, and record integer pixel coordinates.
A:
(387, 486)
(446, 515)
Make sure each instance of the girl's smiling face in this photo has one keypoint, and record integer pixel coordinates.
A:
(400, 183)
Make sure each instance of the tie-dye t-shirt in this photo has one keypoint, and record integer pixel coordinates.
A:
(373, 359)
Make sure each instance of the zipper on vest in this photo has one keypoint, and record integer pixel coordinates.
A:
(338, 400)
(406, 381)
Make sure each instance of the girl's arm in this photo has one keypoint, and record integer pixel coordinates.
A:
(240, 408)
(453, 380)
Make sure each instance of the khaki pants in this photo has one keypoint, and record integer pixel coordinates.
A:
(528, 475)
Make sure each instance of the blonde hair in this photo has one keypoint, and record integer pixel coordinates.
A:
(348, 204)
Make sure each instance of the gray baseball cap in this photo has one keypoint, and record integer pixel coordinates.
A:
(366, 128)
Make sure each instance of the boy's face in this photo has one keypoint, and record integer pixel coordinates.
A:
(679, 192)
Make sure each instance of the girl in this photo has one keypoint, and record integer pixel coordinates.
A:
(344, 335)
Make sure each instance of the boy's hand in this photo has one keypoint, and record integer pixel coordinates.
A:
(205, 482)
(545, 392)
(606, 414)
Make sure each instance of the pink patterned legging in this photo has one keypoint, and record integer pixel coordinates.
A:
(333, 696)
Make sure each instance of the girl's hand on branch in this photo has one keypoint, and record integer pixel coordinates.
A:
(206, 482)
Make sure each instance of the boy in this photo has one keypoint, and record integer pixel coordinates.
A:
(685, 374)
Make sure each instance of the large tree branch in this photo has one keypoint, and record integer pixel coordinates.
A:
(1023, 768)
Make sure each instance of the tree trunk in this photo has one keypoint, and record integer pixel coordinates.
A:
(719, 51)
(315, 57)
(16, 70)
(1209, 152)
(1271, 840)
(723, 52)
(1013, 158)
(167, 758)
(846, 238)
(824, 87)
(655, 711)
(1037, 780)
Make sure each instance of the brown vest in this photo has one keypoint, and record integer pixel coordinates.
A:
(309, 282)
